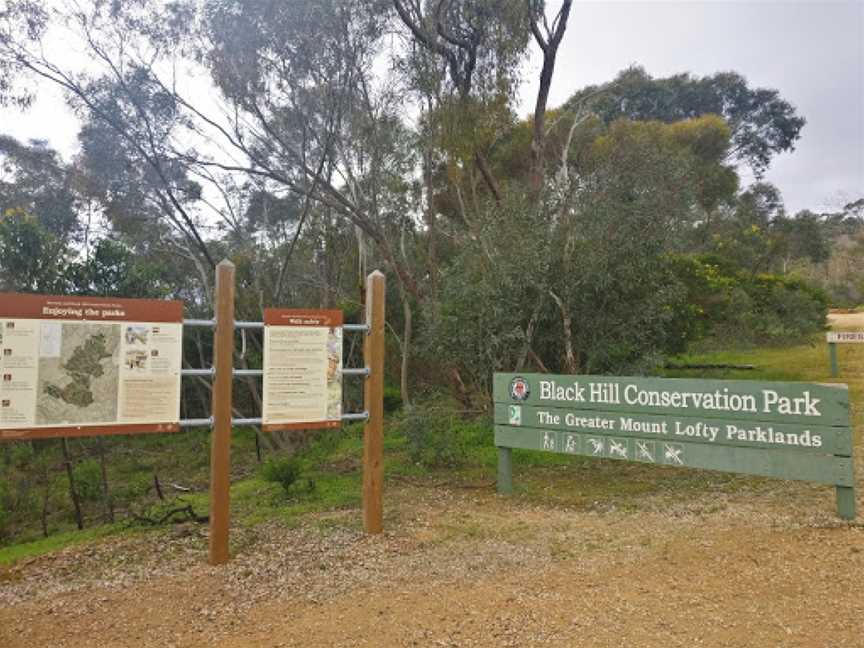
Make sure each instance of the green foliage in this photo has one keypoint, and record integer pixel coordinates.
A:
(780, 310)
(135, 486)
(282, 471)
(802, 237)
(13, 553)
(32, 258)
(762, 123)
(726, 305)
(88, 480)
(20, 455)
(592, 263)
(432, 442)
(492, 38)
(440, 438)
(486, 299)
(392, 399)
(841, 235)
(113, 269)
(34, 181)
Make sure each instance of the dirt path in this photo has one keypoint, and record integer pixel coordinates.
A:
(846, 321)
(773, 568)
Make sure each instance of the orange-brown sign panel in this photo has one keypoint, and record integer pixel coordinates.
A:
(87, 366)
(302, 369)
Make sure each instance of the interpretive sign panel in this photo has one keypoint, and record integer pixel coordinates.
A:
(302, 369)
(787, 430)
(845, 337)
(85, 366)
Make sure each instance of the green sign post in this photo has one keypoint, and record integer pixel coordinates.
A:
(795, 431)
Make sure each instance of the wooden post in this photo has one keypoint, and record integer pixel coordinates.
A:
(505, 471)
(846, 502)
(220, 448)
(373, 397)
(832, 351)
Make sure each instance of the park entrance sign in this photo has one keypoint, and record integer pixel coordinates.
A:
(788, 430)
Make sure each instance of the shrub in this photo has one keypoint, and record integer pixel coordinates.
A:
(439, 438)
(726, 305)
(88, 480)
(392, 399)
(282, 471)
(431, 440)
(21, 455)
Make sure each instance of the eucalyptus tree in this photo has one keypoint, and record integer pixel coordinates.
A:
(32, 258)
(586, 283)
(129, 119)
(38, 218)
(34, 180)
(293, 106)
(763, 123)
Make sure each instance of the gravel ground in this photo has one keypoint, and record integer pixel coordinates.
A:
(771, 568)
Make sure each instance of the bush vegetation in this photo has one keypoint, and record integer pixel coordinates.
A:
(728, 307)
(284, 471)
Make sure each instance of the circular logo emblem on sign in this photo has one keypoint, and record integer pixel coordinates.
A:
(519, 389)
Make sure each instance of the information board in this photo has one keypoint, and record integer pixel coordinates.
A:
(86, 366)
(302, 369)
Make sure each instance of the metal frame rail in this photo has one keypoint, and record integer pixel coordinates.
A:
(207, 422)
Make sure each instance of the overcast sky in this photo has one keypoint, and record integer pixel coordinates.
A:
(812, 52)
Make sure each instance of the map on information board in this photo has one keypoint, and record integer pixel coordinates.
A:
(77, 366)
(78, 378)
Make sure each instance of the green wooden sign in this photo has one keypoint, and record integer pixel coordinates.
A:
(787, 430)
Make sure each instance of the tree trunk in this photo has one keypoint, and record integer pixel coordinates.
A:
(158, 487)
(73, 493)
(570, 363)
(45, 498)
(459, 389)
(106, 491)
(529, 336)
(406, 347)
(431, 226)
(549, 46)
(488, 178)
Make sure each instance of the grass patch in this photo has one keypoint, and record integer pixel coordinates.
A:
(13, 553)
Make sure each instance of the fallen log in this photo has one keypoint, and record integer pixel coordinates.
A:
(745, 367)
(185, 512)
